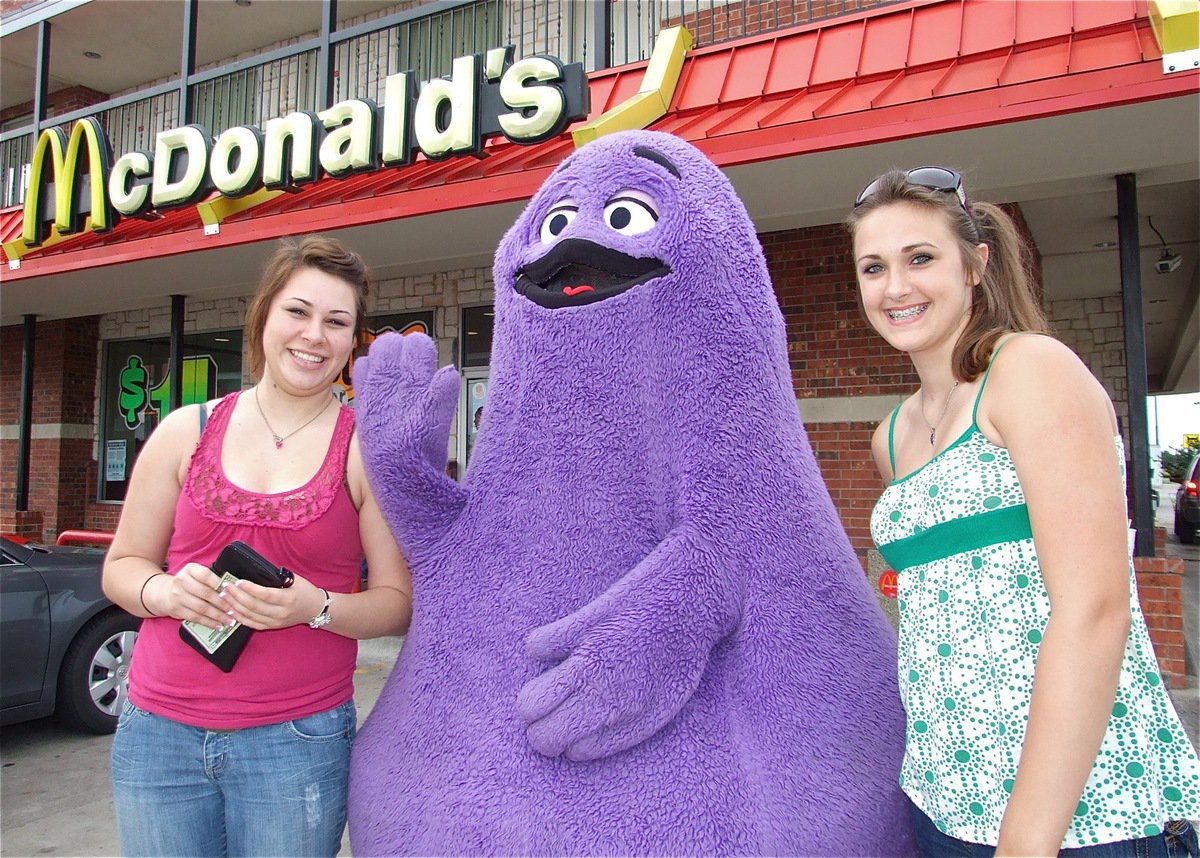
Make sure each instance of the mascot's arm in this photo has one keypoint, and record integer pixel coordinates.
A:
(403, 406)
(630, 659)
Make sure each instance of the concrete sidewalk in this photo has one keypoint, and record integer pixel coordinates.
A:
(55, 792)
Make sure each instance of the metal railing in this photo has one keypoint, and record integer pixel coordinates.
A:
(596, 33)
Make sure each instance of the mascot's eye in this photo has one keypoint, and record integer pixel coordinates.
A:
(558, 219)
(631, 213)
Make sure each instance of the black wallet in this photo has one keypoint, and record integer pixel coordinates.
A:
(223, 646)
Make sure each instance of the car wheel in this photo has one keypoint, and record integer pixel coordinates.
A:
(1187, 532)
(94, 679)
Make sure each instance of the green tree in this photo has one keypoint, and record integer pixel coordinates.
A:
(1174, 461)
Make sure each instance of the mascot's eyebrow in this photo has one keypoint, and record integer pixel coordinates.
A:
(658, 158)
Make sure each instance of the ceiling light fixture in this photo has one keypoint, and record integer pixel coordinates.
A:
(1104, 245)
(241, 2)
(91, 55)
(1169, 260)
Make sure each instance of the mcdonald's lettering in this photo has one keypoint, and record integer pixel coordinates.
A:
(489, 94)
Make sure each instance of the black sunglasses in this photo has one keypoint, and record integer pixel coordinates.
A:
(935, 178)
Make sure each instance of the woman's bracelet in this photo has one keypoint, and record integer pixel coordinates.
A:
(142, 593)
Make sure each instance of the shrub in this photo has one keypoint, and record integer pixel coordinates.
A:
(1174, 461)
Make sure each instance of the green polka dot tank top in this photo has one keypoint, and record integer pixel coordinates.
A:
(973, 607)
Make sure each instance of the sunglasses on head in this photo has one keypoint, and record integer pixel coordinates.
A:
(935, 178)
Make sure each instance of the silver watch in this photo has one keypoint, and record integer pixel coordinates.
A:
(322, 619)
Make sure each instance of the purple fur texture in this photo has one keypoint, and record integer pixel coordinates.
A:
(639, 627)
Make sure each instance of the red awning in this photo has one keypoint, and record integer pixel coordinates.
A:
(884, 74)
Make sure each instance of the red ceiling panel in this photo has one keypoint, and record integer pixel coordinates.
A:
(1049, 19)
(625, 88)
(1150, 49)
(853, 97)
(1051, 60)
(600, 90)
(838, 52)
(936, 33)
(791, 66)
(885, 44)
(972, 74)
(748, 69)
(750, 118)
(1091, 15)
(1105, 51)
(912, 86)
(706, 77)
(987, 26)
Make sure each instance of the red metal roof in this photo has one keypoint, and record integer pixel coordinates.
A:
(919, 68)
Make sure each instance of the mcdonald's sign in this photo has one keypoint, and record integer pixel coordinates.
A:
(70, 181)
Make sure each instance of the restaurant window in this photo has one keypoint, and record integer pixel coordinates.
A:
(416, 322)
(136, 394)
(475, 354)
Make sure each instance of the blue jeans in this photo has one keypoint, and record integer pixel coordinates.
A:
(1178, 841)
(273, 790)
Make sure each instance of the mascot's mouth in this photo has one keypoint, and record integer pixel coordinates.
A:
(577, 271)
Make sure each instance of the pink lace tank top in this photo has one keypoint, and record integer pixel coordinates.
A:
(283, 673)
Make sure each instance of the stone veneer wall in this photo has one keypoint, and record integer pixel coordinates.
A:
(1094, 328)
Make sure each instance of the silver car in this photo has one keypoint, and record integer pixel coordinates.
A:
(64, 647)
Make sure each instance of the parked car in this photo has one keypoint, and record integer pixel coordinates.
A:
(64, 647)
(1187, 503)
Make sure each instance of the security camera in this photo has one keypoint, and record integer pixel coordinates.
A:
(1168, 262)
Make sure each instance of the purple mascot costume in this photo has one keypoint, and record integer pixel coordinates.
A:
(639, 627)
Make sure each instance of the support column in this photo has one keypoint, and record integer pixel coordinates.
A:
(187, 62)
(25, 423)
(175, 355)
(1135, 361)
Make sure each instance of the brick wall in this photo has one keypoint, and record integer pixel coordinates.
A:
(58, 102)
(62, 442)
(836, 356)
(717, 22)
(1160, 589)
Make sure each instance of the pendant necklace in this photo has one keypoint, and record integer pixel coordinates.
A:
(932, 426)
(275, 436)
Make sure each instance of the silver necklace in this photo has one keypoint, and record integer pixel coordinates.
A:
(275, 436)
(932, 426)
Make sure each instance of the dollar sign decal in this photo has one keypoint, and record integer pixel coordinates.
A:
(132, 400)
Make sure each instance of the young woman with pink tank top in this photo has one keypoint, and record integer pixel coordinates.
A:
(1038, 723)
(255, 761)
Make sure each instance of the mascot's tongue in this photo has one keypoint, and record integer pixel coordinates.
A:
(577, 290)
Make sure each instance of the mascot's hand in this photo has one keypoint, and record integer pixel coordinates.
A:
(629, 660)
(404, 405)
(403, 402)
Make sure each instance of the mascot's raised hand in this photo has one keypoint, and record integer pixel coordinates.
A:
(403, 406)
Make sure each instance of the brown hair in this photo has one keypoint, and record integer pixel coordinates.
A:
(315, 251)
(1004, 300)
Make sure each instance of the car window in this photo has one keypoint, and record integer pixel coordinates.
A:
(1195, 477)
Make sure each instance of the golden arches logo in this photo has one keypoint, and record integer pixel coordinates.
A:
(62, 153)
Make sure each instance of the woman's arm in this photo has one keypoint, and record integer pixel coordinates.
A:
(132, 570)
(1058, 425)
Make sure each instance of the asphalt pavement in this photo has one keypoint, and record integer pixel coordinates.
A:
(55, 795)
(55, 792)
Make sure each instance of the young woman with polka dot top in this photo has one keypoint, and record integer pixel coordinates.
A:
(1038, 723)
